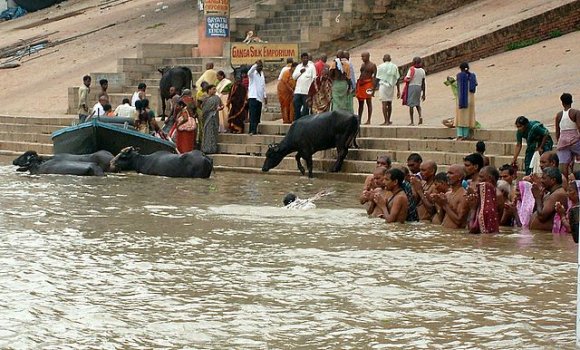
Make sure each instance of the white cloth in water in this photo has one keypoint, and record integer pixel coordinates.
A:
(301, 204)
(535, 163)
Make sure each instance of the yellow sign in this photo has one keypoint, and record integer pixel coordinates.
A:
(242, 53)
(213, 7)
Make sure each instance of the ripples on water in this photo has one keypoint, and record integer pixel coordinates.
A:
(132, 261)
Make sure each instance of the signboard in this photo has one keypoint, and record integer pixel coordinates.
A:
(216, 7)
(242, 53)
(217, 26)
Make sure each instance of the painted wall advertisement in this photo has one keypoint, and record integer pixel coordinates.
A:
(217, 26)
(217, 18)
(242, 53)
(216, 7)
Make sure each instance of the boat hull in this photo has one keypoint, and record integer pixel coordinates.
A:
(95, 135)
(35, 5)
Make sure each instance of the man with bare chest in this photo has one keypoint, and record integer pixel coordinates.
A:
(365, 86)
(395, 204)
(546, 198)
(453, 205)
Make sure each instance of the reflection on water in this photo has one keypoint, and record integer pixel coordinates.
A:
(132, 261)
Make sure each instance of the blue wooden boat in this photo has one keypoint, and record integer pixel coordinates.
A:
(109, 134)
(35, 5)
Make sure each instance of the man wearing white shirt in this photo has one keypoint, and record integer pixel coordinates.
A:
(256, 95)
(125, 110)
(98, 109)
(304, 74)
(388, 77)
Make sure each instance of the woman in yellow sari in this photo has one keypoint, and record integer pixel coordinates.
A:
(223, 89)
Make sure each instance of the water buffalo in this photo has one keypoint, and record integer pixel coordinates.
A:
(178, 77)
(36, 164)
(314, 133)
(101, 158)
(162, 163)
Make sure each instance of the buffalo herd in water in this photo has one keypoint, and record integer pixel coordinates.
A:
(191, 164)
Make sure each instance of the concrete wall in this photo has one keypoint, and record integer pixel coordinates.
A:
(164, 50)
(558, 21)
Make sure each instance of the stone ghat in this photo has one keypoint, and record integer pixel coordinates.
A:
(245, 153)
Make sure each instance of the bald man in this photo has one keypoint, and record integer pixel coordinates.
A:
(454, 209)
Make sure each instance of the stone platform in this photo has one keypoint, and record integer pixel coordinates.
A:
(246, 153)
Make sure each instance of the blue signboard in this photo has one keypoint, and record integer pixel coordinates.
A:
(217, 26)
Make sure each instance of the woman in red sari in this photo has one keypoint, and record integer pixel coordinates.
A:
(238, 106)
(286, 87)
(185, 129)
(320, 93)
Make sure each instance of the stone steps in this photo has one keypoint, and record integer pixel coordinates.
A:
(21, 147)
(397, 156)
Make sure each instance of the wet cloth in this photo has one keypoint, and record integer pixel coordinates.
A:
(486, 218)
(364, 89)
(320, 95)
(525, 205)
(341, 99)
(412, 214)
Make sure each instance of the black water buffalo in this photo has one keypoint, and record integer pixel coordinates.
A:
(36, 164)
(101, 158)
(162, 163)
(314, 133)
(178, 77)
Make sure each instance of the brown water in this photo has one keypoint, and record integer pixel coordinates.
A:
(140, 262)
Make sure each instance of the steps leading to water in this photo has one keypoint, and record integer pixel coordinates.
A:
(246, 153)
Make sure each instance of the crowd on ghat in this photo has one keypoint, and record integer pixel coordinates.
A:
(472, 195)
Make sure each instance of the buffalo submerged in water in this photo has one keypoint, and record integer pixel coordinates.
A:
(94, 164)
(314, 133)
(36, 164)
(191, 164)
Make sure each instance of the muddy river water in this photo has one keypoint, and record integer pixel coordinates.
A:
(140, 262)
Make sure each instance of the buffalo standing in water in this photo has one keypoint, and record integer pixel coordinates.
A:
(314, 133)
(36, 164)
(162, 163)
(101, 158)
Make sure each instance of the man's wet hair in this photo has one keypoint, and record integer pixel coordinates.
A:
(415, 157)
(480, 147)
(386, 158)
(475, 159)
(510, 169)
(554, 173)
(289, 198)
(441, 177)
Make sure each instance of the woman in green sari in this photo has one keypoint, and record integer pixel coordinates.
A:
(537, 139)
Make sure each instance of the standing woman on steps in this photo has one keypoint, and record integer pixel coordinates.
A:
(465, 111)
